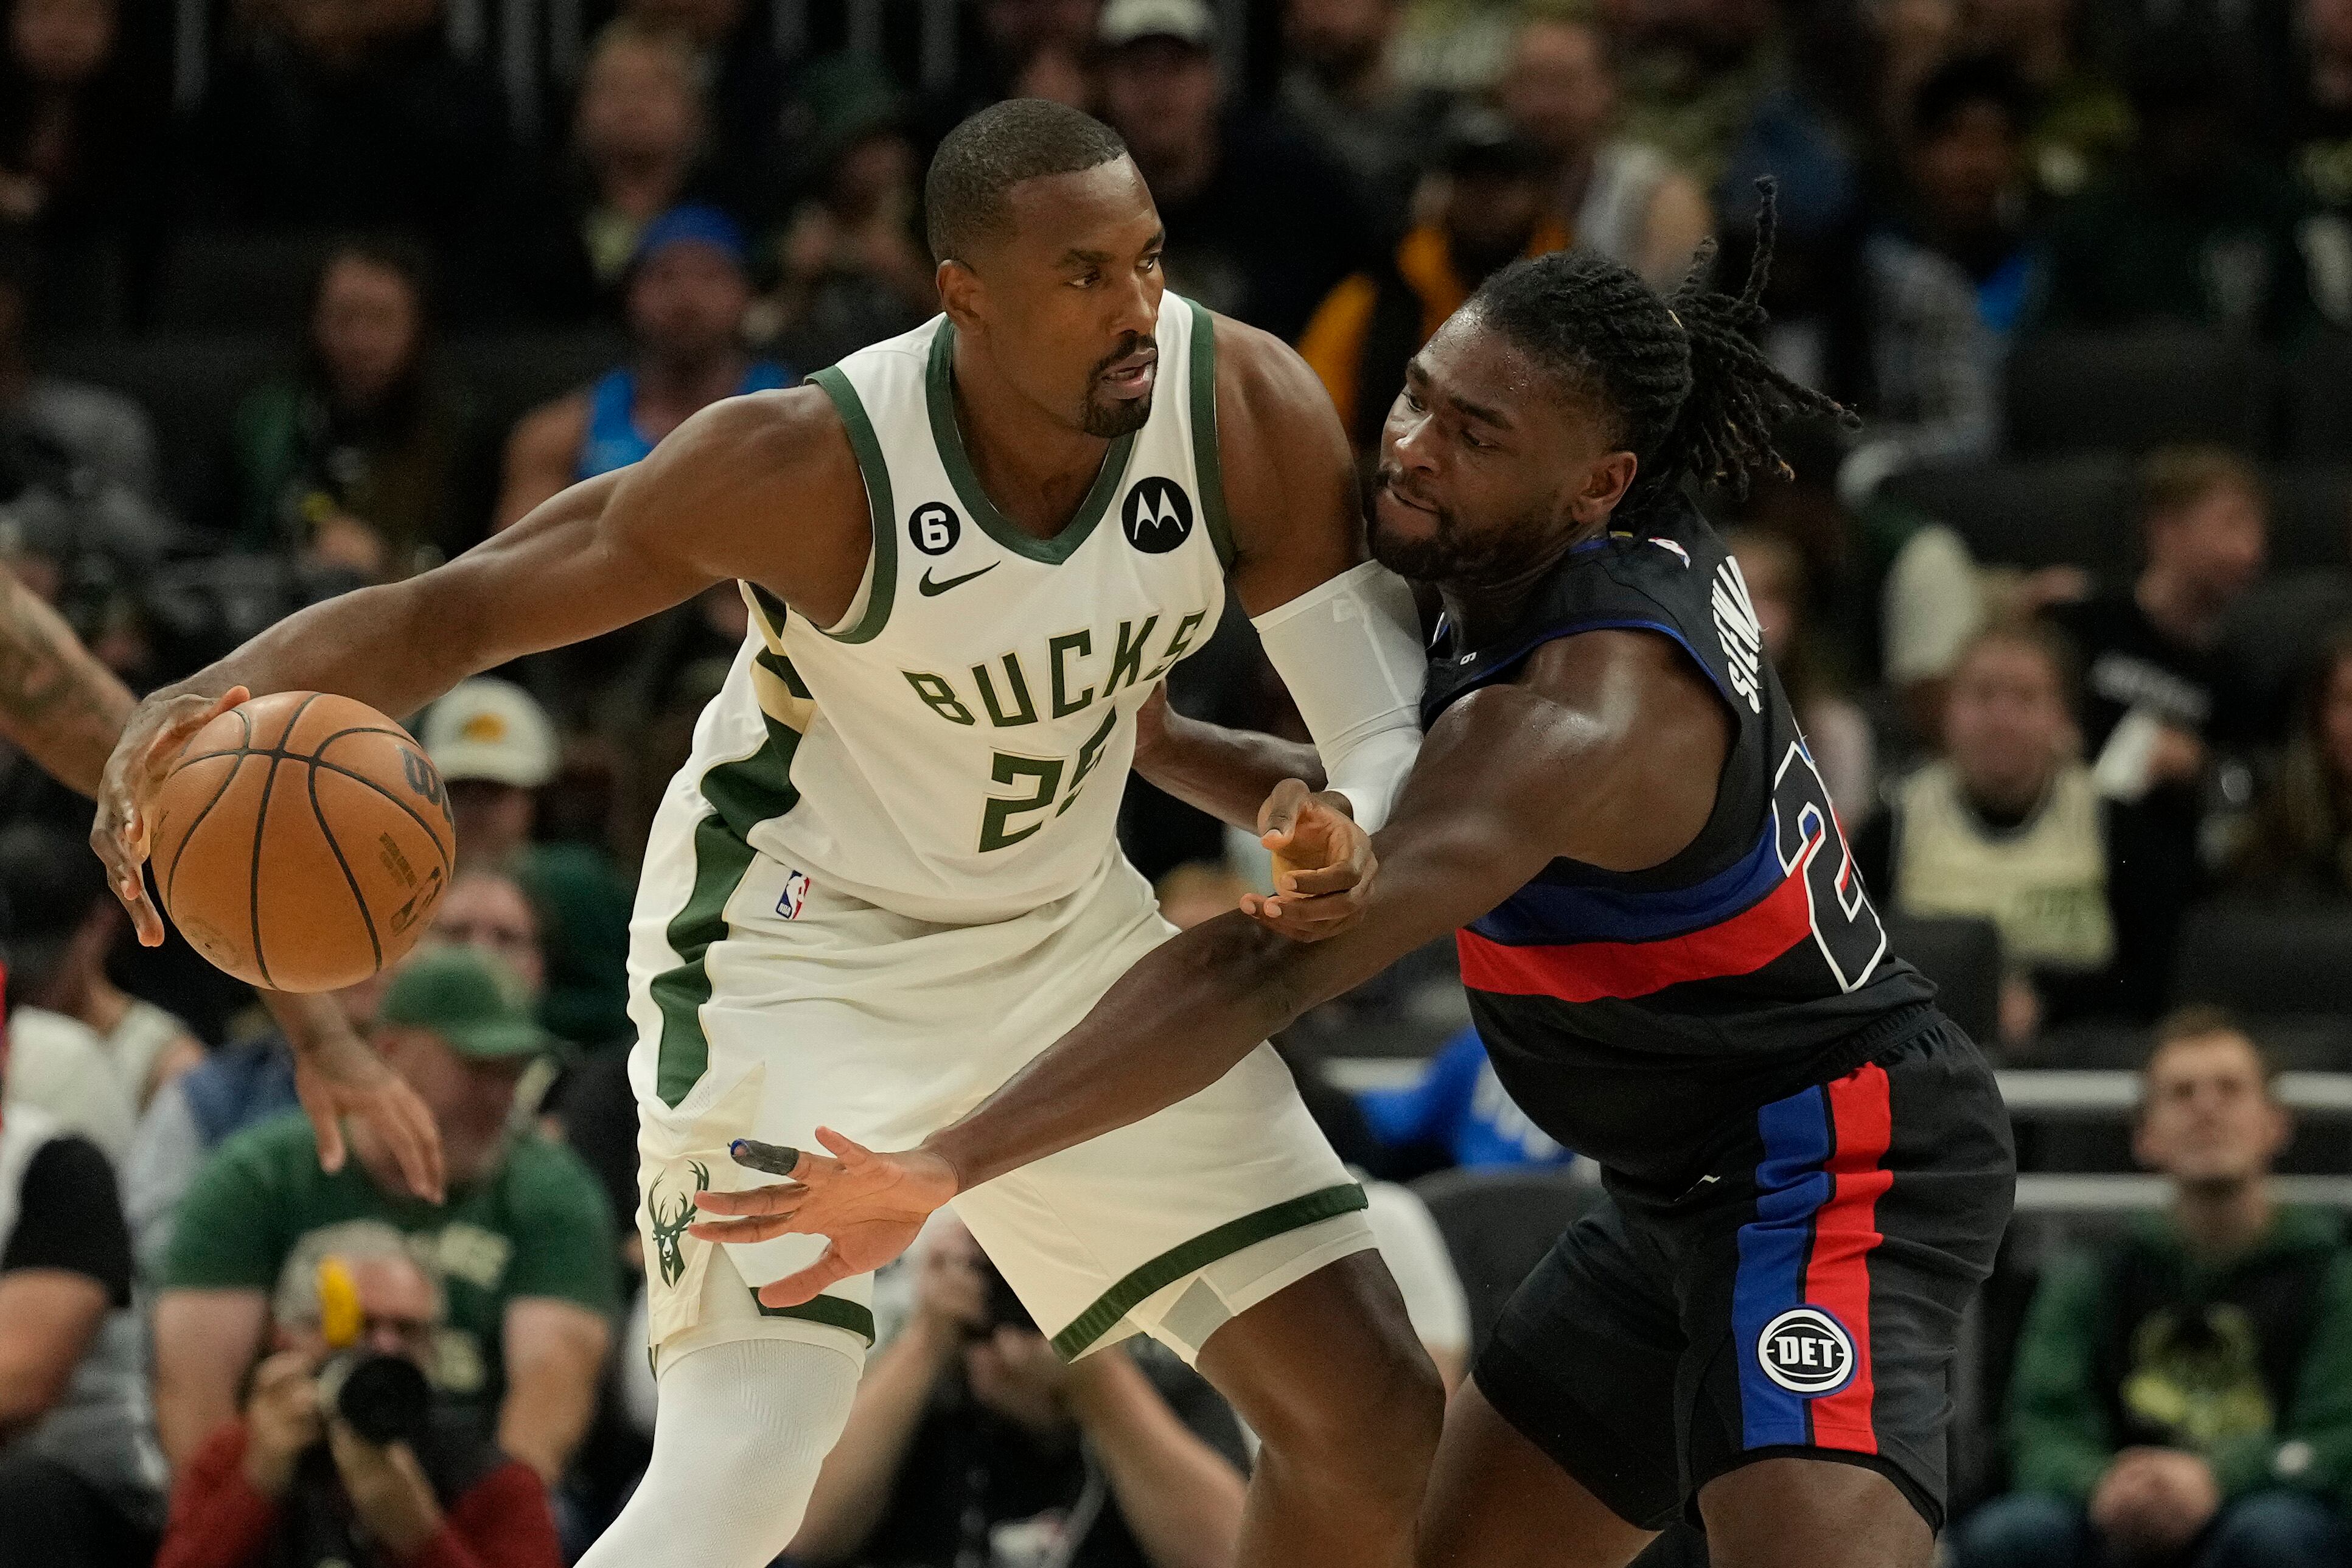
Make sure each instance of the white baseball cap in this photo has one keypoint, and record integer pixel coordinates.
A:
(489, 728)
(1186, 21)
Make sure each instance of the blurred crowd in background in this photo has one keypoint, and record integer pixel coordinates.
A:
(301, 295)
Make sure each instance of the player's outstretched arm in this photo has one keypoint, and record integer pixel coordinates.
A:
(709, 504)
(1470, 828)
(1607, 751)
(1466, 835)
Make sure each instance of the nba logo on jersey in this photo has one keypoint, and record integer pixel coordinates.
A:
(795, 893)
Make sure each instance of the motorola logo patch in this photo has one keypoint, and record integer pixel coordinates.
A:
(1806, 1351)
(1158, 516)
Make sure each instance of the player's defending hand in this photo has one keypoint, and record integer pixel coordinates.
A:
(869, 1205)
(159, 730)
(1323, 864)
(338, 1074)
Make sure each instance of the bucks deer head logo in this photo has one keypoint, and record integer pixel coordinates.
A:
(668, 1224)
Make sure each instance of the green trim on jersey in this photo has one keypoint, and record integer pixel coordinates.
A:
(1198, 1253)
(1207, 466)
(938, 393)
(742, 794)
(830, 1311)
(876, 471)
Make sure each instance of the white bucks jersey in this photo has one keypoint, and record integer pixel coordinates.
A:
(955, 750)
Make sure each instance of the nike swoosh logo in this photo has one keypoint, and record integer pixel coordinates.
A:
(931, 590)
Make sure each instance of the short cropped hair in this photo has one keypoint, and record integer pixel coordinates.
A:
(2042, 639)
(2172, 477)
(2205, 1021)
(965, 196)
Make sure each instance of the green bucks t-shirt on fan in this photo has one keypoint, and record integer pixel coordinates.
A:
(537, 1226)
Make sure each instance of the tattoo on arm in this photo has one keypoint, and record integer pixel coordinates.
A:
(57, 701)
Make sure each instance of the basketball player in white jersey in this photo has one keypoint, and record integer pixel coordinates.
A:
(888, 875)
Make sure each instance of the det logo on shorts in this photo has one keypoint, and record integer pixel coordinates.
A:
(1806, 1351)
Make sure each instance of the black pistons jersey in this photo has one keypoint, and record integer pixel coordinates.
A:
(1639, 1017)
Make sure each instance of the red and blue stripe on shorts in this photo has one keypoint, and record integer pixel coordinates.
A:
(1806, 1256)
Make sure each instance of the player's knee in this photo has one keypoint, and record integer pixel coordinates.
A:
(1369, 1418)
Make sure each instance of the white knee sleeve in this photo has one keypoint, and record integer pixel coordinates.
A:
(741, 1431)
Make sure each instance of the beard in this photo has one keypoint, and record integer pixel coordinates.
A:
(1452, 554)
(1110, 418)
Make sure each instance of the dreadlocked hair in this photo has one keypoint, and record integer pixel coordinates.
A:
(1691, 394)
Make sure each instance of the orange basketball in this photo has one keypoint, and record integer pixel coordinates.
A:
(301, 842)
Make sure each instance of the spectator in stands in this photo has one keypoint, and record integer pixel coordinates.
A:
(351, 113)
(1027, 49)
(640, 146)
(689, 286)
(1620, 197)
(737, 63)
(81, 121)
(1835, 728)
(1491, 212)
(2077, 120)
(2151, 653)
(289, 1483)
(523, 1240)
(1690, 74)
(2319, 143)
(487, 911)
(63, 922)
(855, 269)
(1457, 1113)
(2185, 1395)
(1969, 193)
(970, 1440)
(496, 750)
(80, 1479)
(1886, 326)
(239, 1085)
(1339, 84)
(52, 429)
(58, 1069)
(2191, 227)
(2008, 825)
(2300, 849)
(1892, 593)
(352, 460)
(250, 1081)
(1261, 223)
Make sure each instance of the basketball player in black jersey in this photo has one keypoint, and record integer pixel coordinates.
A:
(1668, 951)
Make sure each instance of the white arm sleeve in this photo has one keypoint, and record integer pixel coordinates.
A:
(1350, 652)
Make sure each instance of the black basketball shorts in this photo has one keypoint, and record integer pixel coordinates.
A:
(1802, 1298)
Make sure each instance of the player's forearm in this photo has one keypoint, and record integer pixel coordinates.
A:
(1175, 1024)
(57, 703)
(1227, 773)
(1181, 1497)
